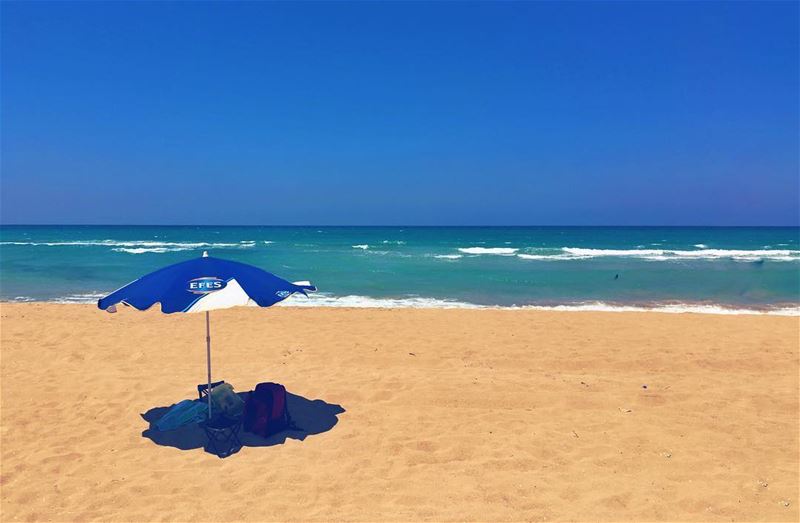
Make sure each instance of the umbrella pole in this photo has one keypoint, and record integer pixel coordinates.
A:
(208, 360)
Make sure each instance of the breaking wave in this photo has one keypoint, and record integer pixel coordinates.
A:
(576, 253)
(500, 251)
(547, 257)
(141, 246)
(88, 297)
(673, 308)
(365, 302)
(158, 250)
(419, 302)
(416, 302)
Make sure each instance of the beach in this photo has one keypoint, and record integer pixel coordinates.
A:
(440, 415)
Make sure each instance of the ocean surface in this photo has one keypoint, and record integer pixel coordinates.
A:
(677, 269)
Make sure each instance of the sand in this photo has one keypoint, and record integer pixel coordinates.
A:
(439, 415)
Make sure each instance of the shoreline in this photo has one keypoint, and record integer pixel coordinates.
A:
(365, 303)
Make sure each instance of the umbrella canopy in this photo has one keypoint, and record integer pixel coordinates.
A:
(201, 285)
(204, 284)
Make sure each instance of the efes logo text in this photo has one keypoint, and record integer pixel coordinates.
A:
(205, 285)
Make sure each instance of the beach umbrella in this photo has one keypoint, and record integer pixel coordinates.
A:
(202, 285)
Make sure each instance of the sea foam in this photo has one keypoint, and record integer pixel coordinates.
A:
(156, 250)
(749, 255)
(578, 253)
(366, 302)
(674, 308)
(140, 246)
(500, 251)
(419, 302)
(87, 297)
(416, 302)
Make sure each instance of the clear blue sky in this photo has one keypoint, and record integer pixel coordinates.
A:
(400, 113)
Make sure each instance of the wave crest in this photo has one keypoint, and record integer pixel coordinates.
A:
(579, 253)
(419, 302)
(499, 251)
(416, 302)
(140, 244)
(365, 302)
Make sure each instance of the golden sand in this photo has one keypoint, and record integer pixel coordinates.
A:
(448, 415)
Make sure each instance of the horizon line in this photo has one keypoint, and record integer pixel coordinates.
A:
(373, 226)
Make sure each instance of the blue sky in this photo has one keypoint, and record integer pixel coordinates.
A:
(638, 113)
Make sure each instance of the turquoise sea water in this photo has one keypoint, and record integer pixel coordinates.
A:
(589, 267)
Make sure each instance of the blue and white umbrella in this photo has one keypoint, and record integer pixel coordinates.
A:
(202, 285)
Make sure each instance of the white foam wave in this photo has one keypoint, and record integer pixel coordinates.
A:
(139, 244)
(396, 242)
(750, 255)
(416, 302)
(268, 242)
(88, 297)
(701, 245)
(365, 302)
(549, 257)
(499, 251)
(448, 256)
(157, 250)
(363, 246)
(678, 308)
(575, 253)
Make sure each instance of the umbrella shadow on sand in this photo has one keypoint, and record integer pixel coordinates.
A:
(310, 416)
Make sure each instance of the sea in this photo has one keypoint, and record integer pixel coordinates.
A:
(722, 270)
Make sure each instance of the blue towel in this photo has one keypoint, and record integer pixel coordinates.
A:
(182, 413)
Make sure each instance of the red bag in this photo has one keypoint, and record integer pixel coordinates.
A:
(265, 412)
